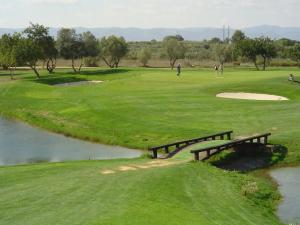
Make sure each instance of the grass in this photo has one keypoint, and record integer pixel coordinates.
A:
(139, 108)
(77, 193)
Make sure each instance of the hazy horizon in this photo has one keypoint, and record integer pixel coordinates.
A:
(149, 14)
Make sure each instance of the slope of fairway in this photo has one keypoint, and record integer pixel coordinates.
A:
(176, 194)
(138, 108)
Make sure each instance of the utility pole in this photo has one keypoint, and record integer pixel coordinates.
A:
(228, 34)
(223, 33)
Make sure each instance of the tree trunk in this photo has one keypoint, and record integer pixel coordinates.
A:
(265, 62)
(11, 73)
(109, 64)
(35, 71)
(50, 66)
(73, 65)
(80, 66)
(172, 63)
(255, 63)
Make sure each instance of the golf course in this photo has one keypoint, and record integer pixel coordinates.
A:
(139, 108)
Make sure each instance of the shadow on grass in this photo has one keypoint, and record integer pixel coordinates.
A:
(235, 161)
(97, 72)
(54, 80)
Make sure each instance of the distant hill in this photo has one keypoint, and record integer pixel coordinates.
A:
(140, 34)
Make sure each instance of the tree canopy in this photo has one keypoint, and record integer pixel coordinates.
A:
(112, 50)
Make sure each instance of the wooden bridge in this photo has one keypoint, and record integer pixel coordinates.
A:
(173, 148)
(210, 151)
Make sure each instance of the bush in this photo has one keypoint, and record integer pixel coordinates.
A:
(91, 61)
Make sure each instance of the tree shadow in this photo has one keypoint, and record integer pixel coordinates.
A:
(7, 74)
(244, 162)
(97, 72)
(55, 80)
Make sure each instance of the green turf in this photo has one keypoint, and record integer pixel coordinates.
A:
(77, 193)
(139, 108)
(145, 107)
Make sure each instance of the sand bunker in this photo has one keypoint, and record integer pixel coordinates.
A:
(77, 83)
(252, 96)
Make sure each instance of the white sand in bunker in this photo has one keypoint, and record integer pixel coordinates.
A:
(251, 96)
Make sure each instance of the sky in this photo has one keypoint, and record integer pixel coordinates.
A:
(149, 13)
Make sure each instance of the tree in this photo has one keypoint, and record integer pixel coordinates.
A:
(223, 53)
(249, 48)
(215, 40)
(266, 49)
(144, 56)
(237, 37)
(175, 50)
(294, 53)
(177, 37)
(40, 38)
(113, 49)
(71, 46)
(8, 51)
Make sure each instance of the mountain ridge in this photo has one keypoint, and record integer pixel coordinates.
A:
(189, 33)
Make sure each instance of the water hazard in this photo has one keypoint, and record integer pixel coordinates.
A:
(21, 144)
(289, 186)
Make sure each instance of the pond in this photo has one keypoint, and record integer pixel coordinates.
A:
(289, 186)
(21, 144)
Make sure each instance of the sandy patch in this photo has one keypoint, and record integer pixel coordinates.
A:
(126, 168)
(251, 96)
(148, 165)
(77, 83)
(106, 172)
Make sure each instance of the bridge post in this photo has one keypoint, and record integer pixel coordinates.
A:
(166, 149)
(229, 136)
(208, 153)
(154, 153)
(258, 140)
(265, 140)
(222, 137)
(197, 156)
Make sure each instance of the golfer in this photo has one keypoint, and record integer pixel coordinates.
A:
(178, 69)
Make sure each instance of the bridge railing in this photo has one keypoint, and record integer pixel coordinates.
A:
(166, 148)
(263, 139)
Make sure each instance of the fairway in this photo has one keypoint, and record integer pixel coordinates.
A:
(140, 108)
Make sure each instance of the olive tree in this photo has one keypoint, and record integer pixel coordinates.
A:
(266, 49)
(144, 56)
(223, 53)
(175, 50)
(294, 53)
(113, 49)
(70, 46)
(45, 45)
(249, 48)
(8, 51)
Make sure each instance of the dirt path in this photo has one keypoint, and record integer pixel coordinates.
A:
(133, 167)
